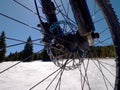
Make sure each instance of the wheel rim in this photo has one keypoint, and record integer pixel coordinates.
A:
(82, 64)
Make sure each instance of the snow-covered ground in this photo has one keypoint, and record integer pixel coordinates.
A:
(26, 75)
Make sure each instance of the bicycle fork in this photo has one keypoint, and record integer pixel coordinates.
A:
(82, 16)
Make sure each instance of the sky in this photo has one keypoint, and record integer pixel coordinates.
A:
(16, 30)
(21, 32)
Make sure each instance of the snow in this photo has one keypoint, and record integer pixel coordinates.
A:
(25, 75)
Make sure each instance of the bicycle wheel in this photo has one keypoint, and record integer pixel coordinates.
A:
(86, 67)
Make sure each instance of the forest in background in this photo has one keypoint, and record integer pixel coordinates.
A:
(27, 54)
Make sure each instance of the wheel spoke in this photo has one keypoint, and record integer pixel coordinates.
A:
(45, 79)
(24, 6)
(104, 77)
(101, 71)
(53, 80)
(11, 18)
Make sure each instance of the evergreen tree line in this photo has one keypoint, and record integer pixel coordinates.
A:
(22, 56)
(27, 54)
(104, 51)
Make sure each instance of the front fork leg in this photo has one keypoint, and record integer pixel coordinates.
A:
(84, 21)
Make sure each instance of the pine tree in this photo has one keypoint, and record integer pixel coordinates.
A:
(28, 51)
(2, 47)
(15, 56)
(10, 57)
(45, 56)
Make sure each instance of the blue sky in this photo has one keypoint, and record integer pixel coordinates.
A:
(14, 29)
(19, 31)
(116, 6)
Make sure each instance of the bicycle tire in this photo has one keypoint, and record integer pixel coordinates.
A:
(114, 26)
